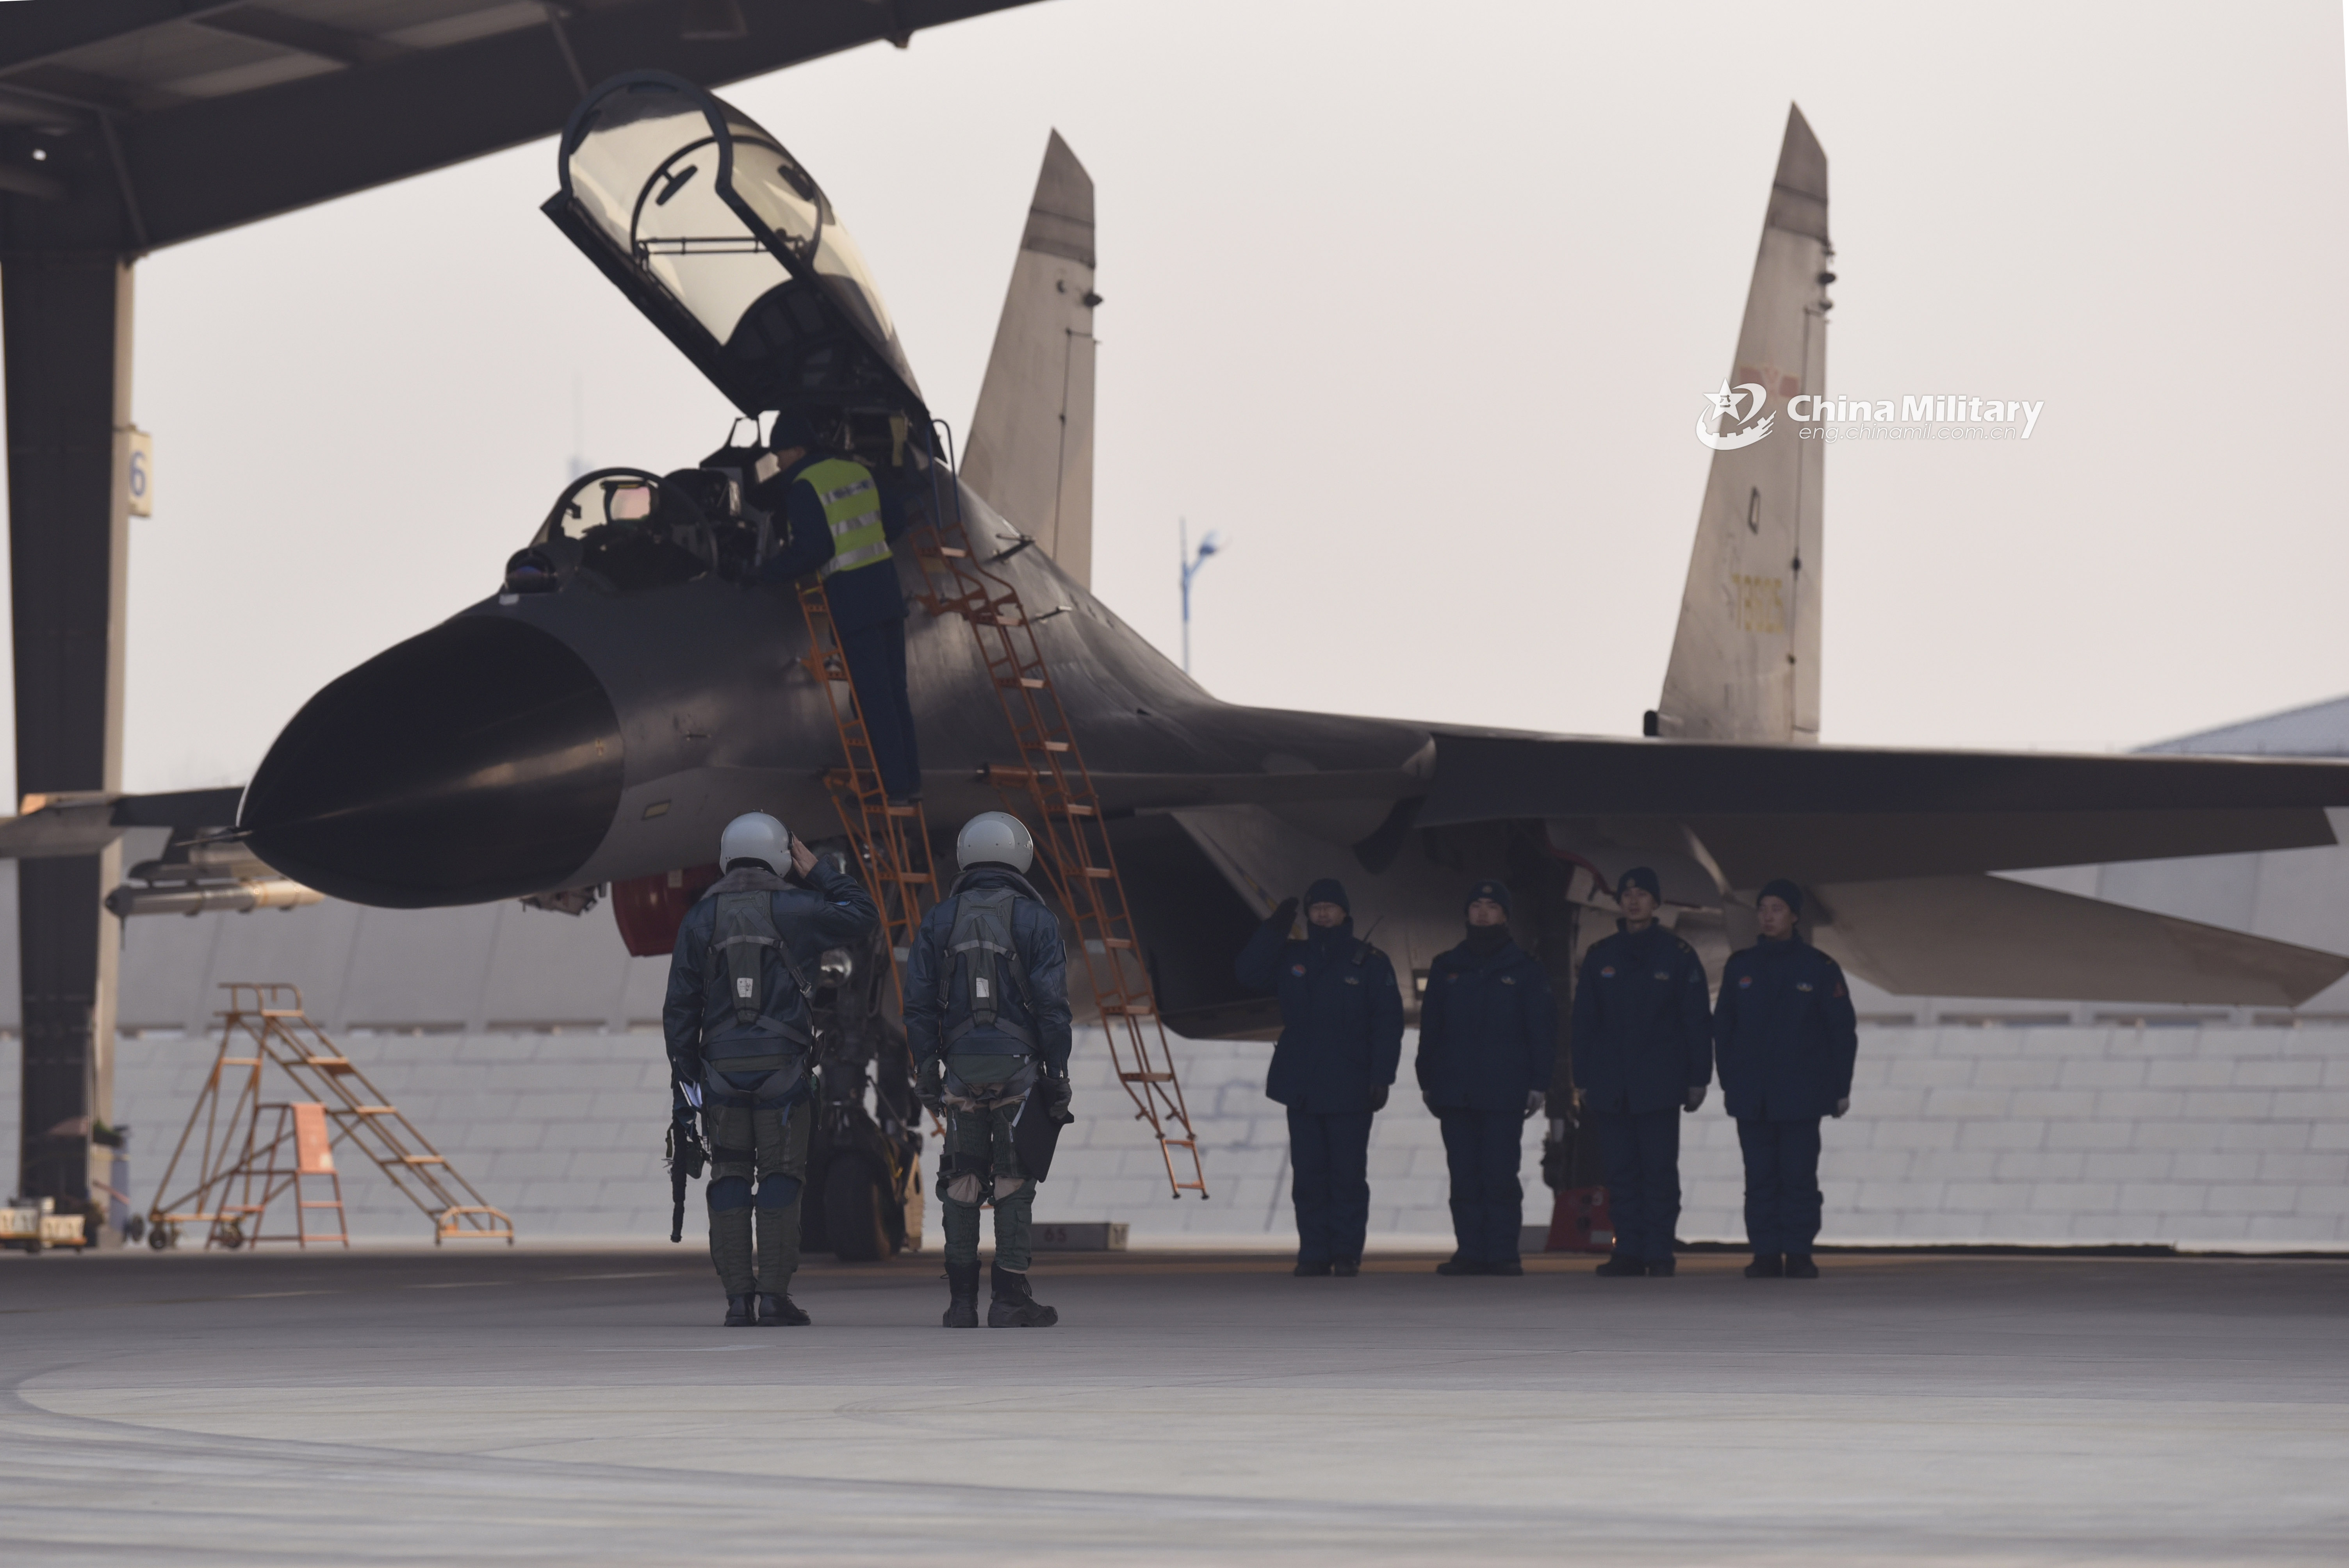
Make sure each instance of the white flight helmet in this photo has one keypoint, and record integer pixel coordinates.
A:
(755, 836)
(995, 839)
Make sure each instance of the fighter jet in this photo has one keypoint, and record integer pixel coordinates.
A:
(603, 710)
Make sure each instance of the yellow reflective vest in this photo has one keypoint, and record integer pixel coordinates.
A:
(852, 510)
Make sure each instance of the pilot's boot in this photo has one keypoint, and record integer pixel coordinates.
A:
(779, 1312)
(1013, 1307)
(1767, 1265)
(962, 1282)
(742, 1312)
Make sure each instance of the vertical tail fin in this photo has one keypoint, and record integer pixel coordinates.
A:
(1031, 452)
(1745, 660)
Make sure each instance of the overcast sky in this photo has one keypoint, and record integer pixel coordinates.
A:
(1414, 303)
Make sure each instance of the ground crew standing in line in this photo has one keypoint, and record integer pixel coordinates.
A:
(987, 1017)
(1487, 1044)
(1786, 1040)
(1340, 1041)
(1642, 1049)
(738, 1034)
(829, 516)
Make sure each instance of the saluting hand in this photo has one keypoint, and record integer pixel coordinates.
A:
(803, 858)
(1285, 916)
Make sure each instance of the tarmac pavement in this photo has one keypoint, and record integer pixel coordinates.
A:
(548, 1406)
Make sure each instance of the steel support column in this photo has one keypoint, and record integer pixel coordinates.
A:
(65, 333)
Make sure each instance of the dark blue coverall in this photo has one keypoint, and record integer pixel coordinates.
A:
(868, 611)
(1642, 1039)
(1786, 1039)
(1487, 1039)
(1341, 1042)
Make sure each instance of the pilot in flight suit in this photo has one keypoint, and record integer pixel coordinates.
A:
(741, 1039)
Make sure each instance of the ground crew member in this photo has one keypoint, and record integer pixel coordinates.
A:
(987, 1017)
(738, 1034)
(1786, 1039)
(1487, 1044)
(1340, 1041)
(830, 517)
(1642, 1049)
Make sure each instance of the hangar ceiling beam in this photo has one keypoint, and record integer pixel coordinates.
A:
(204, 165)
(337, 44)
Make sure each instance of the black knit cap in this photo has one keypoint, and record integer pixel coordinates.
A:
(1492, 888)
(1779, 887)
(1328, 890)
(1640, 876)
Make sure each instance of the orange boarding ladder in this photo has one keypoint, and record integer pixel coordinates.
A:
(893, 842)
(1075, 838)
(265, 1025)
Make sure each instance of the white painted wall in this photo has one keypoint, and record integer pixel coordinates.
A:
(2210, 1136)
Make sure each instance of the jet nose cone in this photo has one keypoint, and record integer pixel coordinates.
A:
(479, 761)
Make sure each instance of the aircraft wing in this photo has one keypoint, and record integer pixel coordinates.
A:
(1988, 936)
(1825, 814)
(82, 822)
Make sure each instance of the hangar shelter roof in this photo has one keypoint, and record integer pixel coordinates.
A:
(132, 124)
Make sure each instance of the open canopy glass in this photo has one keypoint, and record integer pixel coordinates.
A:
(716, 232)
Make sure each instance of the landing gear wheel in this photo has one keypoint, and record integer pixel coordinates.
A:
(229, 1234)
(134, 1229)
(853, 1217)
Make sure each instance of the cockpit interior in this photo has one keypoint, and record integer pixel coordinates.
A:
(718, 234)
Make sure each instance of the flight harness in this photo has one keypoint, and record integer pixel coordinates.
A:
(742, 933)
(980, 934)
(969, 981)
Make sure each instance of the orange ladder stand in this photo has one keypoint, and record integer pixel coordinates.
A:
(1077, 857)
(894, 842)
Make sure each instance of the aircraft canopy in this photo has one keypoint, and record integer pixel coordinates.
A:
(715, 231)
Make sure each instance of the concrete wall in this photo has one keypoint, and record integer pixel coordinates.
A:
(2206, 1135)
